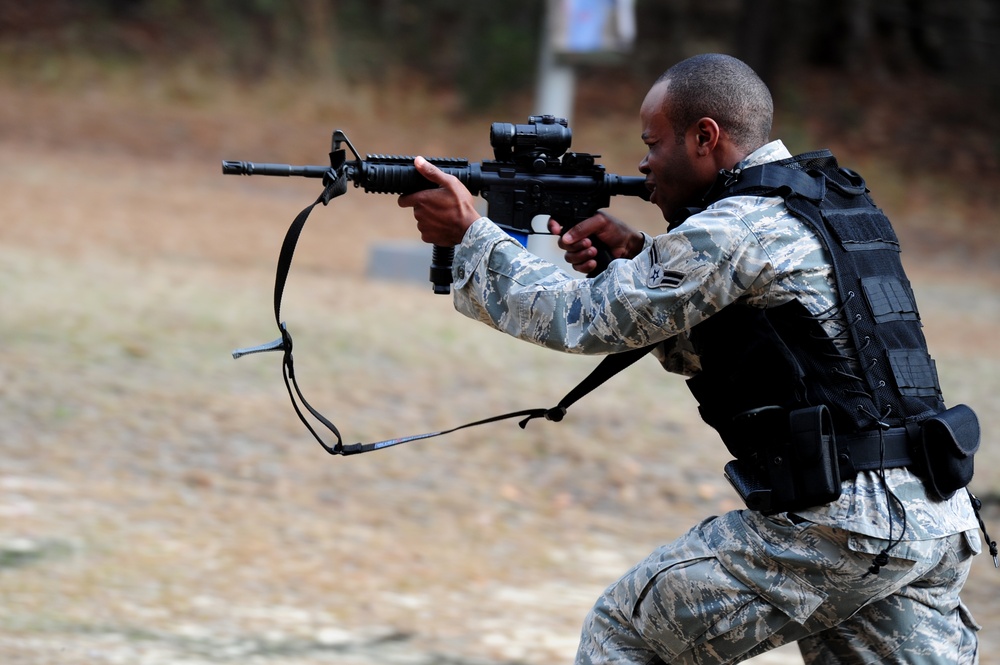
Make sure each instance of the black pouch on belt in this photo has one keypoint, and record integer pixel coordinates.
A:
(800, 470)
(805, 473)
(946, 447)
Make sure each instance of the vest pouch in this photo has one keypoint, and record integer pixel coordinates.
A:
(947, 445)
(805, 472)
(815, 449)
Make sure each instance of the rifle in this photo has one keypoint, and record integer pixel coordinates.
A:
(532, 174)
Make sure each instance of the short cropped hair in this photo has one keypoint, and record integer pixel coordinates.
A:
(725, 89)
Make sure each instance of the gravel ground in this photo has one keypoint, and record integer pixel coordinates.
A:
(160, 503)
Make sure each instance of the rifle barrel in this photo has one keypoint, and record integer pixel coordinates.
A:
(232, 167)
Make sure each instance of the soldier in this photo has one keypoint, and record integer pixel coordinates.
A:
(804, 353)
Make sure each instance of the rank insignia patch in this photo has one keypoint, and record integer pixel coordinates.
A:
(659, 278)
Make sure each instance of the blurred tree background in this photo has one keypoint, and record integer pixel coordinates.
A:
(911, 81)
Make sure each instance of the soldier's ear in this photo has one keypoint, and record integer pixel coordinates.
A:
(707, 134)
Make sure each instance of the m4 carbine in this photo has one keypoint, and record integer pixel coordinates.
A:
(532, 174)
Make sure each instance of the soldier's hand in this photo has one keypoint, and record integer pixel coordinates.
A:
(443, 214)
(622, 241)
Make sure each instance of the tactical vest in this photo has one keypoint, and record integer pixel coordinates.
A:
(758, 365)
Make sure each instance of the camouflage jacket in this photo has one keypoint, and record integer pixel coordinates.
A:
(741, 249)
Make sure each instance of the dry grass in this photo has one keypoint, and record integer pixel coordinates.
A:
(160, 503)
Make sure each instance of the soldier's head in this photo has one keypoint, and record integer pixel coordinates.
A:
(702, 115)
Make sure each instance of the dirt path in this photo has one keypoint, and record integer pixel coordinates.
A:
(160, 503)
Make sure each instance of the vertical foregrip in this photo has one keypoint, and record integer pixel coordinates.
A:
(440, 274)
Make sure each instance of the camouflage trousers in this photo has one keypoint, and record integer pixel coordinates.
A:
(743, 583)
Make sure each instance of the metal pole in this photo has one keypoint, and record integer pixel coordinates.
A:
(554, 95)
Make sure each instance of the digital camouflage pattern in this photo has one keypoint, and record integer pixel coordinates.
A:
(749, 580)
(740, 584)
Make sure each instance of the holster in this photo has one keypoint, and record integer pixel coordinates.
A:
(795, 467)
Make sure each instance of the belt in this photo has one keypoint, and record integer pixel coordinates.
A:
(875, 449)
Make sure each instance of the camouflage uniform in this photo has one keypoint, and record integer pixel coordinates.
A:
(740, 584)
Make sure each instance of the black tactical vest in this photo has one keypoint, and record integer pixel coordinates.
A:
(761, 361)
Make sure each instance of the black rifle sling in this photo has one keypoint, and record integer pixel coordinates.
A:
(608, 367)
